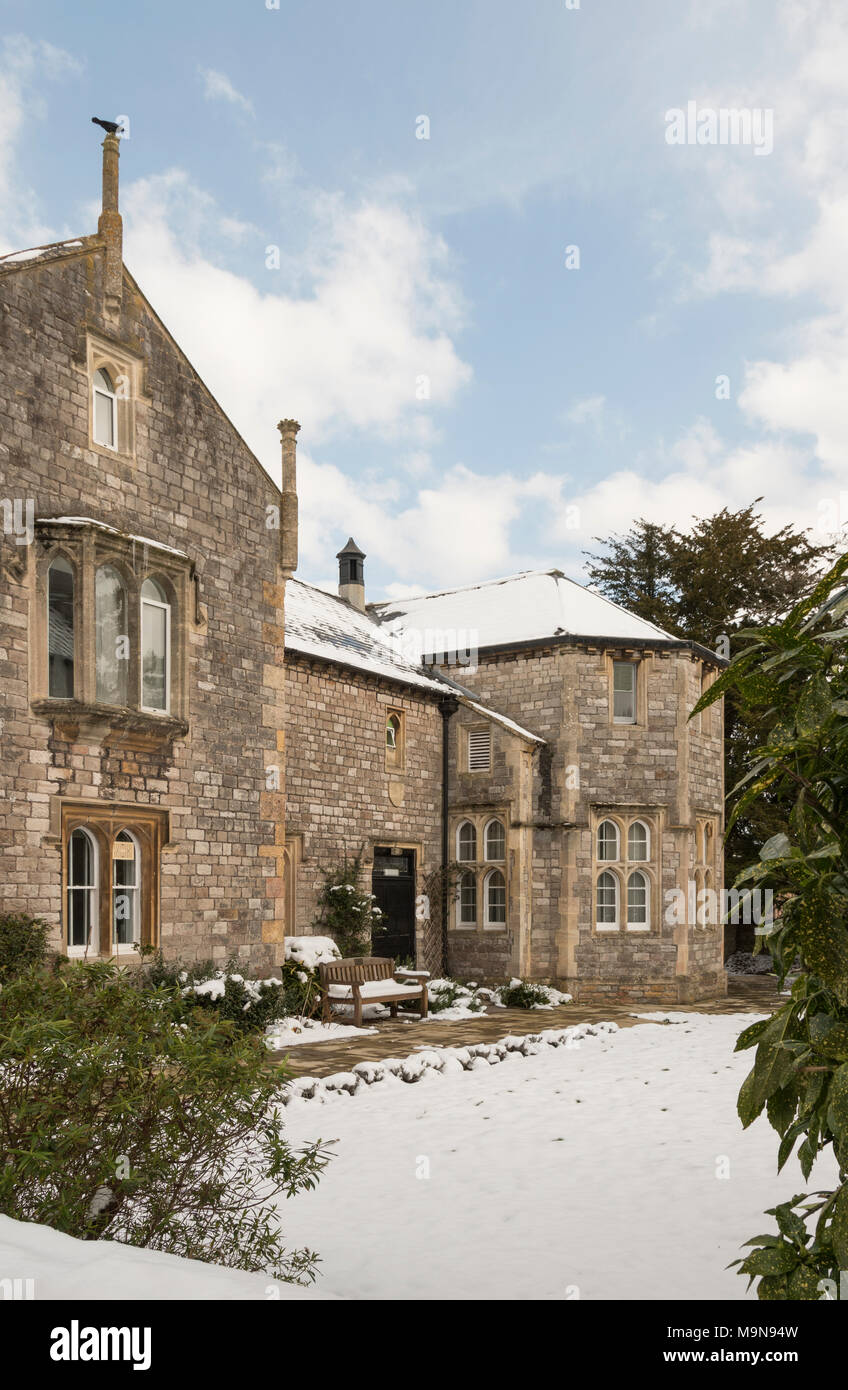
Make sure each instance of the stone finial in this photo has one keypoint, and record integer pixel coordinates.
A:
(288, 518)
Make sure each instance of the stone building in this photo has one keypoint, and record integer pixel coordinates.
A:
(191, 738)
(141, 624)
(585, 854)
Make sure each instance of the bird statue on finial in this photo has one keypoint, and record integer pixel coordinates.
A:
(111, 127)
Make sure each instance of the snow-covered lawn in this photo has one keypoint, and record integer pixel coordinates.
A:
(591, 1172)
(291, 1032)
(40, 1263)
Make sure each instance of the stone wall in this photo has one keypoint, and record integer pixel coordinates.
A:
(189, 482)
(342, 798)
(662, 768)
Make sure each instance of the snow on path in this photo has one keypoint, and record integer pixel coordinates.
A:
(583, 1172)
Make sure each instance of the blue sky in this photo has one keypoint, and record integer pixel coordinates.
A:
(563, 403)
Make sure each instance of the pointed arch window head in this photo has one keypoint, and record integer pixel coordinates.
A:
(82, 892)
(155, 648)
(637, 900)
(467, 900)
(606, 900)
(466, 843)
(60, 630)
(495, 841)
(639, 842)
(608, 840)
(105, 413)
(111, 637)
(494, 888)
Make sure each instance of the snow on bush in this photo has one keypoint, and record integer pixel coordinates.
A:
(442, 1061)
(312, 951)
(451, 1000)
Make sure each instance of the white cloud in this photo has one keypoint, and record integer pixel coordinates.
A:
(589, 410)
(25, 66)
(344, 349)
(218, 87)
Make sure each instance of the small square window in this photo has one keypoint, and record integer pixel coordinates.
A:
(624, 692)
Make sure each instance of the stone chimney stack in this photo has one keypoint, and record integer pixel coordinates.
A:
(110, 227)
(288, 518)
(352, 575)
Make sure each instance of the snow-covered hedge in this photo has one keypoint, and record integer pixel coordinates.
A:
(438, 1061)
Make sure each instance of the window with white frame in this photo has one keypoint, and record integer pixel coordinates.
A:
(104, 420)
(111, 637)
(608, 840)
(110, 628)
(466, 900)
(60, 629)
(606, 900)
(624, 692)
(623, 892)
(111, 859)
(638, 842)
(126, 891)
(82, 905)
(638, 890)
(466, 842)
(494, 890)
(155, 648)
(495, 841)
(479, 750)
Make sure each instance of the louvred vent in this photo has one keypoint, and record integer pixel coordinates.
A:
(479, 750)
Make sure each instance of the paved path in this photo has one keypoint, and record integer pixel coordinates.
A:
(746, 994)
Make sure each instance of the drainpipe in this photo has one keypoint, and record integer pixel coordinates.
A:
(447, 707)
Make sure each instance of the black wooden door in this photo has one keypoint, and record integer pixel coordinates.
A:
(393, 885)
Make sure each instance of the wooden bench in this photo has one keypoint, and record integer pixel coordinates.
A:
(369, 980)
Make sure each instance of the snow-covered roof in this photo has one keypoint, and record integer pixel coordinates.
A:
(522, 608)
(319, 624)
(41, 253)
(112, 530)
(508, 724)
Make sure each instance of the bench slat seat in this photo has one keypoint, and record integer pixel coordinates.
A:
(368, 980)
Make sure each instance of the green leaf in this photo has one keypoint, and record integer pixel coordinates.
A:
(750, 1035)
(814, 707)
(773, 1259)
(773, 1288)
(803, 1284)
(832, 1041)
(776, 847)
(780, 1109)
(837, 1100)
(839, 1228)
(823, 940)
(806, 1157)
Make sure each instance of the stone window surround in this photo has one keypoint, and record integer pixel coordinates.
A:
(125, 370)
(623, 867)
(642, 661)
(87, 545)
(481, 868)
(149, 825)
